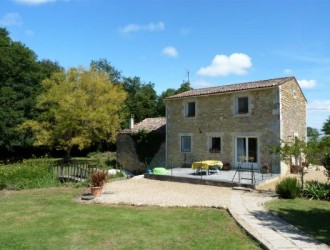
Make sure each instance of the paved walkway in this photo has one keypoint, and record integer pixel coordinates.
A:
(273, 232)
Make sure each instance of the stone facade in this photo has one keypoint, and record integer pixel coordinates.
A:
(274, 112)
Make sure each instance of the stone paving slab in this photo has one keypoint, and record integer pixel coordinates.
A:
(273, 232)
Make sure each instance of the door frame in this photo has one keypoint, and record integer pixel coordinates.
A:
(255, 164)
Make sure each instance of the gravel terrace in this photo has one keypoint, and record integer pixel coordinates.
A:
(140, 191)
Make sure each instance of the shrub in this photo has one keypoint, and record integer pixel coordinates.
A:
(317, 190)
(288, 188)
(27, 174)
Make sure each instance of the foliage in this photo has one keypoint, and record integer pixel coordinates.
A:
(141, 100)
(147, 144)
(310, 216)
(317, 190)
(105, 160)
(20, 83)
(52, 219)
(326, 126)
(288, 188)
(103, 65)
(27, 174)
(99, 178)
(312, 132)
(79, 108)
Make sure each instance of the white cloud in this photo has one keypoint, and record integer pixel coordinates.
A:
(148, 27)
(170, 51)
(11, 19)
(222, 65)
(287, 71)
(307, 84)
(33, 2)
(323, 105)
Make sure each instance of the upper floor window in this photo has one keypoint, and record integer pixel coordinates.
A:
(191, 109)
(242, 105)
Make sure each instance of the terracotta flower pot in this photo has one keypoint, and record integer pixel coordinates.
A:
(96, 191)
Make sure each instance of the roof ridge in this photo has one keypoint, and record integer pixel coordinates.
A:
(234, 87)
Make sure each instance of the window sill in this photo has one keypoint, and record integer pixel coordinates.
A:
(214, 151)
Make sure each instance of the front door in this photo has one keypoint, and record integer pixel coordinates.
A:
(247, 150)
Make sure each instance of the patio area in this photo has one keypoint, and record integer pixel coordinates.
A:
(230, 178)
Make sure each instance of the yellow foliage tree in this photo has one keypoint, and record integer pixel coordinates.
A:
(79, 107)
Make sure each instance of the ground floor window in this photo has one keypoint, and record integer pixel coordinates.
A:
(215, 145)
(185, 143)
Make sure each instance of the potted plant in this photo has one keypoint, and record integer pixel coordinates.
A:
(98, 179)
(226, 166)
(265, 168)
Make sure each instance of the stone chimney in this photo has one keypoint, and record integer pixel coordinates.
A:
(131, 122)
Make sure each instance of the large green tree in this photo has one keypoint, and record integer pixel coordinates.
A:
(312, 132)
(326, 126)
(105, 66)
(20, 82)
(79, 107)
(141, 100)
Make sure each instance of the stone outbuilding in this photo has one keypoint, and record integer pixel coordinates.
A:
(128, 151)
(235, 122)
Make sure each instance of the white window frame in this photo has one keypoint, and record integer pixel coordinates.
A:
(181, 135)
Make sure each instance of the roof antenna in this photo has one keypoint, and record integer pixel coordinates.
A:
(187, 71)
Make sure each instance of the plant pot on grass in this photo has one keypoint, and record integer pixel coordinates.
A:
(98, 179)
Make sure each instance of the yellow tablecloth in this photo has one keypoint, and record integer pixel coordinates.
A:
(206, 164)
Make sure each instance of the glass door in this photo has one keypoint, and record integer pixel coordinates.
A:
(247, 150)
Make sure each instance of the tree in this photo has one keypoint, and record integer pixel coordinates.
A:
(78, 108)
(20, 83)
(312, 132)
(105, 66)
(326, 126)
(141, 100)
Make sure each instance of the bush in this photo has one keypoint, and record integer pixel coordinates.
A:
(288, 188)
(27, 174)
(317, 190)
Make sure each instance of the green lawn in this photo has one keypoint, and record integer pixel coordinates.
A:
(52, 219)
(311, 216)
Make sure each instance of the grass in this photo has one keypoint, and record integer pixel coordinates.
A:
(51, 219)
(311, 216)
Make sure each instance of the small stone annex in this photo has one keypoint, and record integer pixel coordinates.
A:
(126, 151)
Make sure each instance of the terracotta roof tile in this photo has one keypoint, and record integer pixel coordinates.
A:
(149, 124)
(233, 87)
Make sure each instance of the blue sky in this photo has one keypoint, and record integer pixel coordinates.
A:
(218, 42)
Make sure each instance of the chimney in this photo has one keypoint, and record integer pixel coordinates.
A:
(131, 122)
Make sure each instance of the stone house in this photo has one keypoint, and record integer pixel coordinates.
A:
(127, 155)
(233, 121)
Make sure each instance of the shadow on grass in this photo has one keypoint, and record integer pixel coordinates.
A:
(313, 222)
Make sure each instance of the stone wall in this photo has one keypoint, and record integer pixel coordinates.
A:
(128, 158)
(293, 115)
(216, 114)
